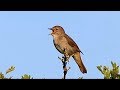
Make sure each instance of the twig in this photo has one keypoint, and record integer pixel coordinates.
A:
(64, 62)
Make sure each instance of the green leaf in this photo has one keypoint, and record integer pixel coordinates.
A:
(80, 78)
(100, 68)
(1, 75)
(110, 73)
(25, 76)
(12, 68)
(113, 65)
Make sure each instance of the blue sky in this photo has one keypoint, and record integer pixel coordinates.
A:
(25, 43)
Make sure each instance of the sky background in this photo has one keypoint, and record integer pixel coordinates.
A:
(26, 44)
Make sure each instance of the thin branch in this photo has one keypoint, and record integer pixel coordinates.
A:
(64, 62)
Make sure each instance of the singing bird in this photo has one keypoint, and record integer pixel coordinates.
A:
(65, 45)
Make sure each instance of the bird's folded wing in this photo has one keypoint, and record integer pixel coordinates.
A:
(72, 43)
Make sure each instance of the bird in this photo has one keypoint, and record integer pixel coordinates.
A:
(67, 46)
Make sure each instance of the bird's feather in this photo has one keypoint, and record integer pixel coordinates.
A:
(72, 43)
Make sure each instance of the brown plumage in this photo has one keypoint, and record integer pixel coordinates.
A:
(65, 45)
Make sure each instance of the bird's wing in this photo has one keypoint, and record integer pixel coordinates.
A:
(72, 43)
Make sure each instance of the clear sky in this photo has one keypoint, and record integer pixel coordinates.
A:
(25, 43)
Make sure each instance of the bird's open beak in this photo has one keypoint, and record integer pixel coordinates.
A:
(50, 29)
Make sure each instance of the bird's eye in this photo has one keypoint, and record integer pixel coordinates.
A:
(53, 30)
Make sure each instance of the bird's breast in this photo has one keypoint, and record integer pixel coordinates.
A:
(58, 46)
(62, 45)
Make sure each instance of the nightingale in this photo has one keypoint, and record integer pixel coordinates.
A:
(67, 46)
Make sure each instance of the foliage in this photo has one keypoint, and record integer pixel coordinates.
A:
(3, 76)
(25, 76)
(106, 71)
(12, 68)
(9, 70)
(110, 73)
(80, 78)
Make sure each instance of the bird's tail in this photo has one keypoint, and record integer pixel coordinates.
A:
(79, 62)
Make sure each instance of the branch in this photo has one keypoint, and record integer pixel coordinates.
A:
(64, 62)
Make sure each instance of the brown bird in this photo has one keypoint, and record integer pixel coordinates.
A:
(65, 45)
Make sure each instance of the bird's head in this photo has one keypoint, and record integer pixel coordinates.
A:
(57, 30)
